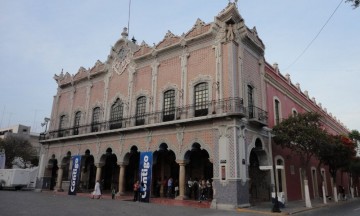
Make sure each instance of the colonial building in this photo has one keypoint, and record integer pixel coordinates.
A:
(199, 102)
(285, 98)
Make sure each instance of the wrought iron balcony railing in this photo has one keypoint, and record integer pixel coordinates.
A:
(215, 108)
(257, 115)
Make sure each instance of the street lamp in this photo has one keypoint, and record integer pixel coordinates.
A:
(45, 123)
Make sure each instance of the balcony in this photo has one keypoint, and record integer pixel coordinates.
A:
(257, 116)
(198, 112)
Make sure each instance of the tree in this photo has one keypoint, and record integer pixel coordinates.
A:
(18, 151)
(303, 135)
(337, 153)
(355, 3)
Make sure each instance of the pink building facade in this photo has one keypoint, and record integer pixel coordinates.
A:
(203, 103)
(284, 99)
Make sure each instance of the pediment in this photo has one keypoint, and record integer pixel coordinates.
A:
(82, 73)
(199, 28)
(144, 49)
(230, 13)
(168, 40)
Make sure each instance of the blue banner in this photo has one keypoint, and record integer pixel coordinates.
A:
(145, 168)
(75, 174)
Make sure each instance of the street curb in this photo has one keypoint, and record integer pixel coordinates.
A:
(260, 212)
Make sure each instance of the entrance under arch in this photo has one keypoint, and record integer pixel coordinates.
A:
(110, 170)
(199, 168)
(164, 167)
(132, 169)
(51, 172)
(259, 186)
(88, 173)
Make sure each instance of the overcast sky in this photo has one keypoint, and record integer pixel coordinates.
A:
(39, 38)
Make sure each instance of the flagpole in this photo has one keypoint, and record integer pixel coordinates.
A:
(129, 17)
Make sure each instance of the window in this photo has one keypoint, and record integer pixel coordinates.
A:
(140, 110)
(294, 112)
(77, 123)
(250, 91)
(201, 95)
(280, 177)
(95, 124)
(61, 132)
(277, 112)
(116, 114)
(169, 105)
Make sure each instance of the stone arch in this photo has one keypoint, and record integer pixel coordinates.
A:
(131, 159)
(65, 165)
(199, 165)
(51, 170)
(88, 171)
(257, 144)
(259, 180)
(164, 167)
(169, 145)
(202, 144)
(109, 169)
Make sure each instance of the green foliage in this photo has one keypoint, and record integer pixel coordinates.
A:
(337, 153)
(18, 151)
(302, 134)
(355, 3)
(354, 134)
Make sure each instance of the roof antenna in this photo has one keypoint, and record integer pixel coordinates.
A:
(129, 17)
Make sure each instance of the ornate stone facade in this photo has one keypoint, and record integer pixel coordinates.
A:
(197, 101)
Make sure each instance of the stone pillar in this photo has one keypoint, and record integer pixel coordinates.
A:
(181, 181)
(98, 172)
(121, 179)
(59, 180)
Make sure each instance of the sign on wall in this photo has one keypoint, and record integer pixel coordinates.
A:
(75, 174)
(145, 171)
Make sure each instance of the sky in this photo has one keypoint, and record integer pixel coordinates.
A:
(40, 38)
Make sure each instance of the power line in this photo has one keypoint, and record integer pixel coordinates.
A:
(312, 41)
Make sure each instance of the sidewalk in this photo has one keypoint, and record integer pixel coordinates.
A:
(264, 208)
(156, 200)
(292, 207)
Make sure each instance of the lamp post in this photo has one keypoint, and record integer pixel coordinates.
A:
(45, 123)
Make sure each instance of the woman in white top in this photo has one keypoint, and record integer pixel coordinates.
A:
(97, 191)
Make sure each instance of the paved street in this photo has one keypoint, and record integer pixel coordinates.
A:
(47, 203)
(343, 208)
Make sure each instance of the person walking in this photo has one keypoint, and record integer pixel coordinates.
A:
(96, 192)
(136, 190)
(113, 192)
(170, 187)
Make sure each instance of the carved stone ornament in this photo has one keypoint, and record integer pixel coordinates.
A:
(120, 66)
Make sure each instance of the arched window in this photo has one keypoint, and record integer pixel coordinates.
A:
(95, 123)
(116, 114)
(169, 105)
(294, 112)
(61, 132)
(277, 111)
(140, 110)
(77, 123)
(250, 92)
(201, 97)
